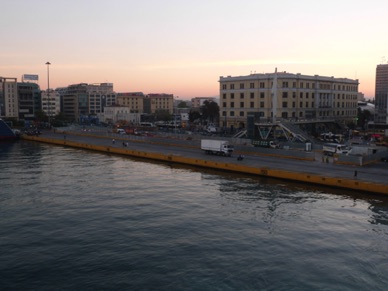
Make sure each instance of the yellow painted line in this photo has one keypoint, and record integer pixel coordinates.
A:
(261, 171)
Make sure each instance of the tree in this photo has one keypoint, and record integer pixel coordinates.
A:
(182, 104)
(194, 115)
(210, 111)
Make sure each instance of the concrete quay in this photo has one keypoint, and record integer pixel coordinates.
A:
(369, 179)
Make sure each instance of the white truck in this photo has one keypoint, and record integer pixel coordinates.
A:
(334, 148)
(217, 147)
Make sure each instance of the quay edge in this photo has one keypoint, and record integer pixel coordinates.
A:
(336, 182)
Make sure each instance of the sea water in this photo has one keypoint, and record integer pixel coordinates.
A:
(79, 220)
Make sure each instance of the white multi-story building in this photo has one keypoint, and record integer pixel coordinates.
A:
(117, 113)
(51, 102)
(282, 95)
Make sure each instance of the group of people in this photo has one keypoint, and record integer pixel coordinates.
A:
(125, 144)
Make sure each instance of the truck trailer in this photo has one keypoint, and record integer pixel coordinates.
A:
(334, 148)
(217, 147)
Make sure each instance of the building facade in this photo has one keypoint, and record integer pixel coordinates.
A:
(85, 99)
(116, 113)
(51, 102)
(133, 100)
(161, 102)
(30, 101)
(287, 96)
(381, 94)
(9, 101)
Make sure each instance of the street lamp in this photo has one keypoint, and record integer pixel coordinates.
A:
(48, 92)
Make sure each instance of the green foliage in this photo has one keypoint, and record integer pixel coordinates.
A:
(210, 111)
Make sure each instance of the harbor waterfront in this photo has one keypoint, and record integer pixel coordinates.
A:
(368, 178)
(75, 219)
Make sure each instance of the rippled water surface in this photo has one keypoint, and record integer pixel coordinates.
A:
(80, 220)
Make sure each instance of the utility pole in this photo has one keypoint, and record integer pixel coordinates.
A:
(48, 93)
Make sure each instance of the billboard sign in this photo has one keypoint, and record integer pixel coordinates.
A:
(30, 77)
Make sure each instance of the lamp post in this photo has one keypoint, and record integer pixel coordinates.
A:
(48, 92)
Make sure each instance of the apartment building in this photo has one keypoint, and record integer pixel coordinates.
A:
(51, 102)
(9, 101)
(133, 100)
(29, 96)
(287, 96)
(84, 99)
(381, 94)
(161, 102)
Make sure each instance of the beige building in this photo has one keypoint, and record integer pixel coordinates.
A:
(9, 101)
(161, 102)
(282, 95)
(133, 100)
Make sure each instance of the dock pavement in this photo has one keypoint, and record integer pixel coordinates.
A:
(370, 178)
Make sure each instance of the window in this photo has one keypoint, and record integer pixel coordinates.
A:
(261, 104)
(301, 104)
(301, 85)
(261, 94)
(232, 104)
(224, 96)
(223, 113)
(241, 104)
(285, 84)
(252, 95)
(232, 96)
(301, 95)
(293, 94)
(241, 113)
(231, 113)
(284, 104)
(252, 85)
(242, 86)
(308, 85)
(285, 94)
(307, 95)
(242, 95)
(223, 86)
(293, 104)
(307, 104)
(224, 104)
(252, 104)
(232, 86)
(262, 85)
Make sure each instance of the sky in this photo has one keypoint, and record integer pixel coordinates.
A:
(182, 47)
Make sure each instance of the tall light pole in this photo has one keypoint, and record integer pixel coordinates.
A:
(48, 93)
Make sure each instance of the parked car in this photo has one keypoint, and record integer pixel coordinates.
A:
(384, 159)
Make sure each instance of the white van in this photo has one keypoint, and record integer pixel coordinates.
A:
(120, 131)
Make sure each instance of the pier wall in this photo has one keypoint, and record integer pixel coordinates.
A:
(261, 171)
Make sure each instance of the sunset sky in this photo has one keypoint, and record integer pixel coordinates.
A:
(182, 47)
